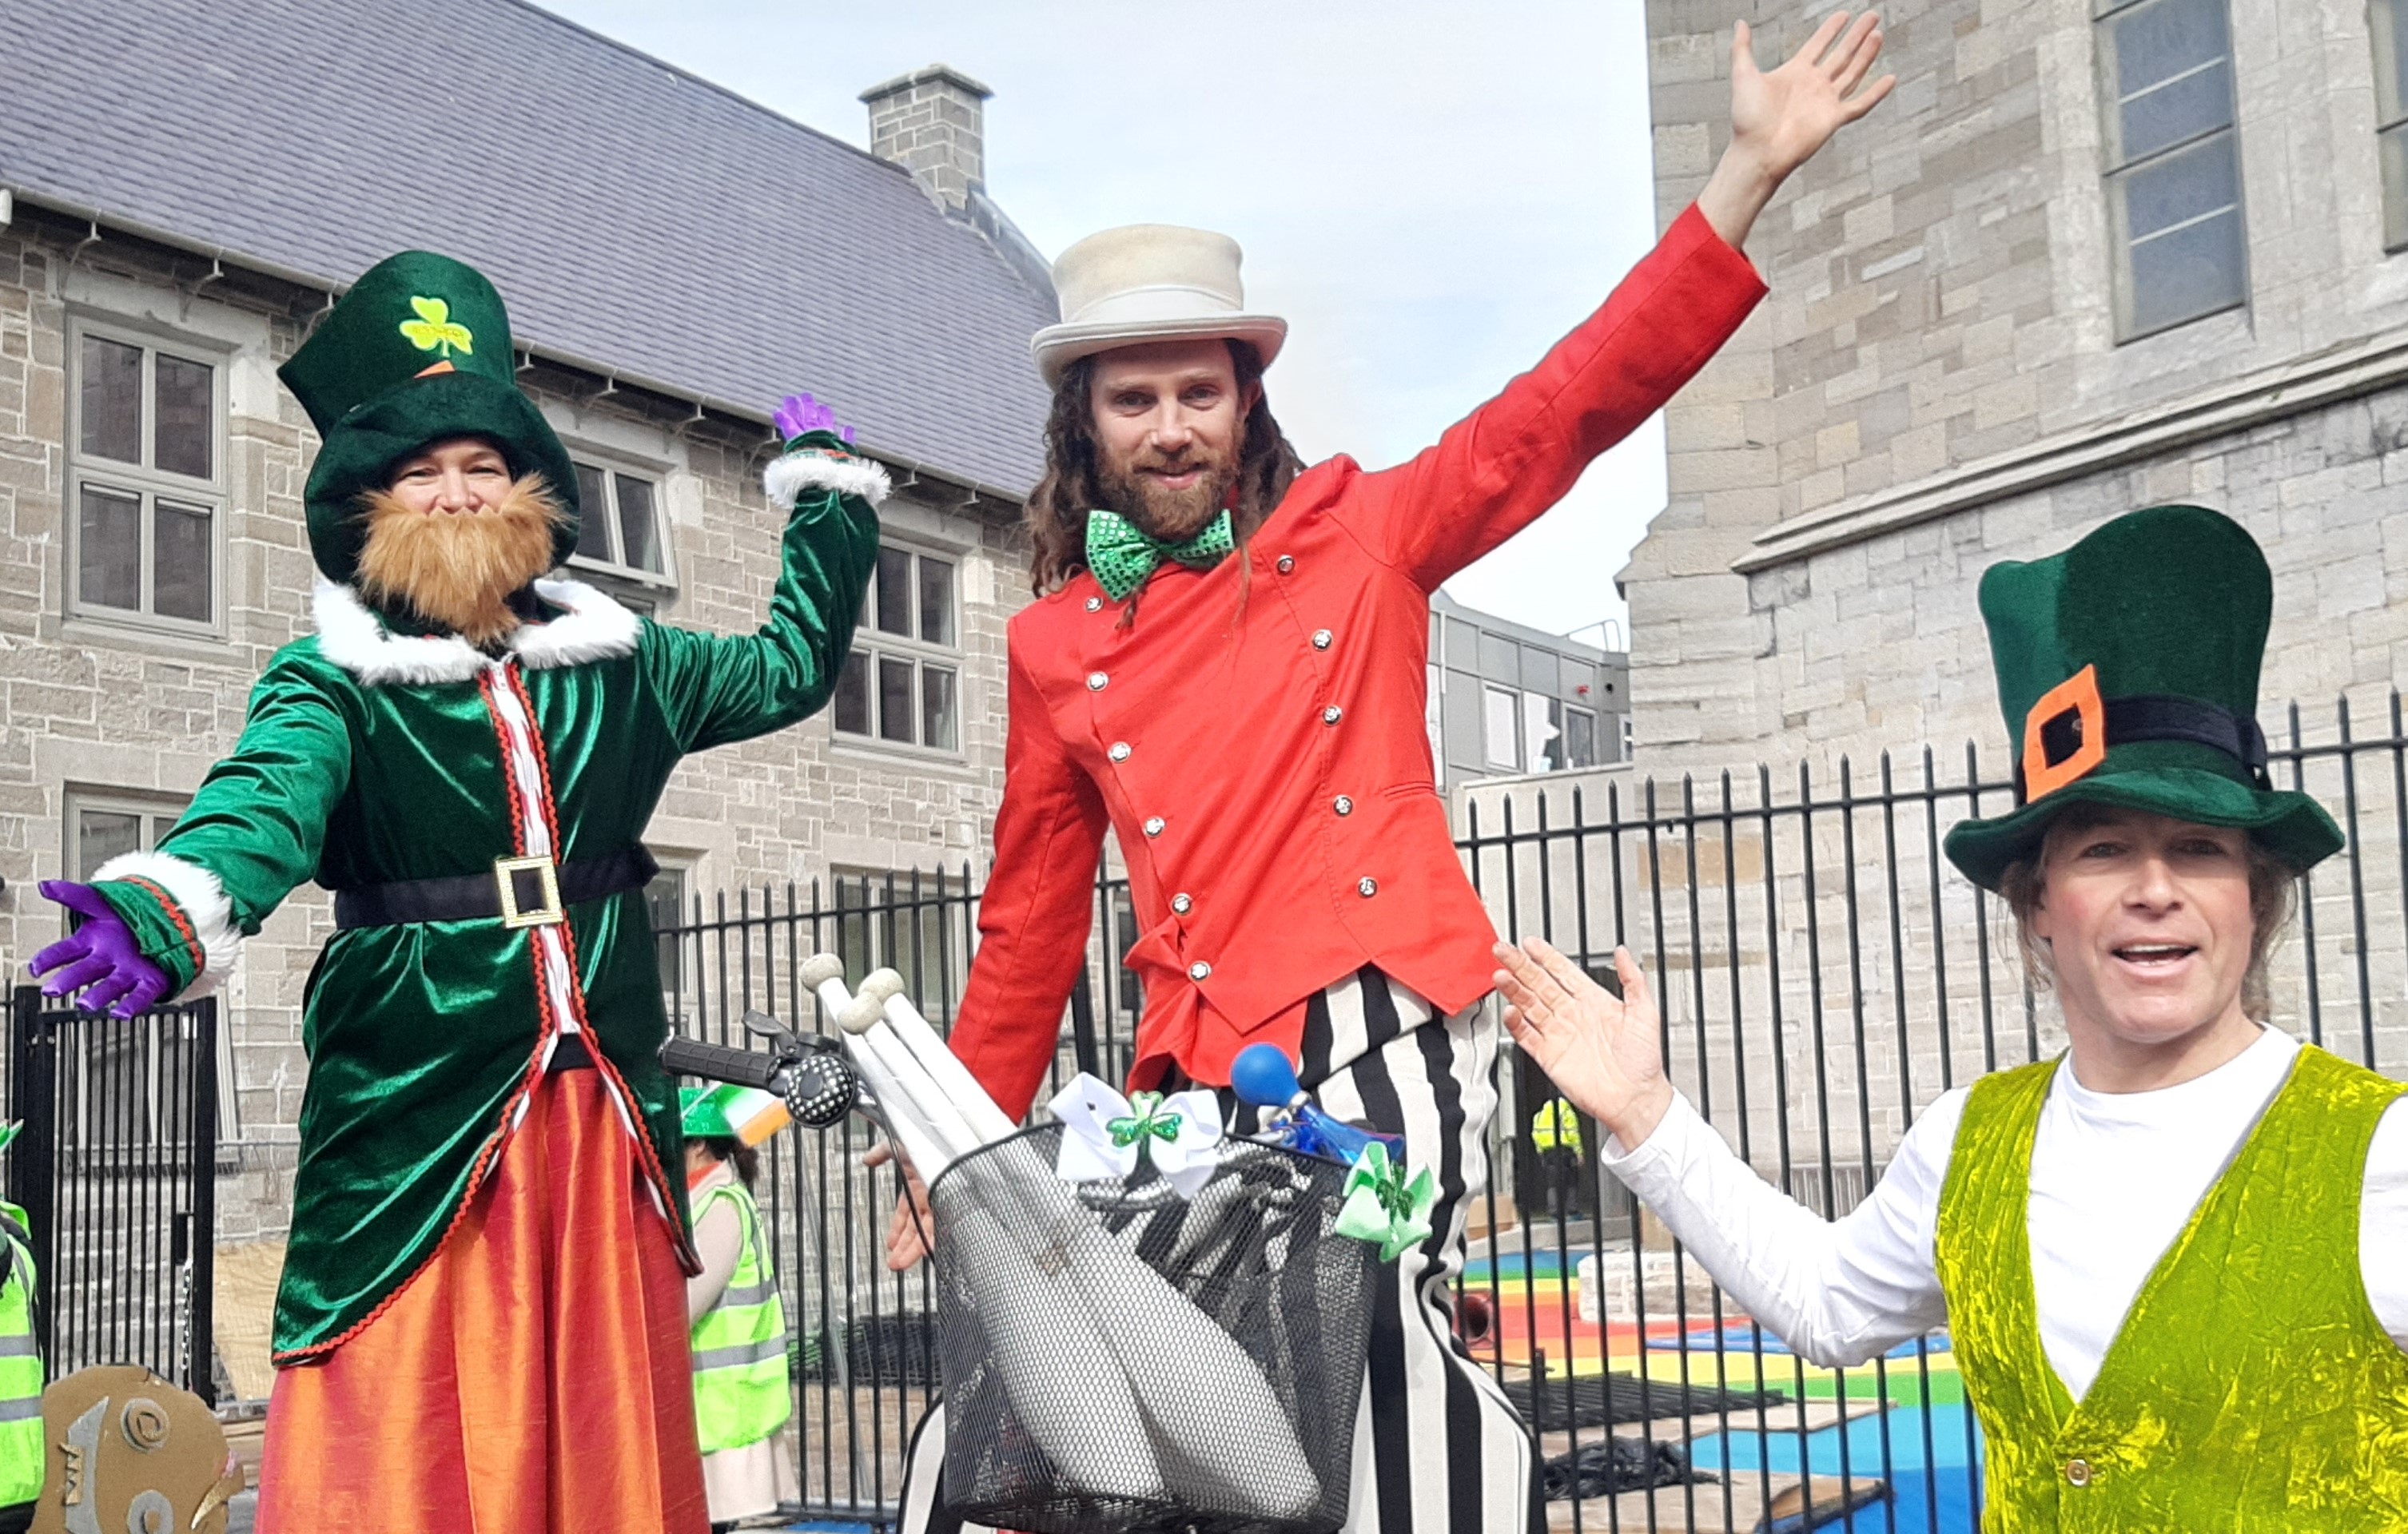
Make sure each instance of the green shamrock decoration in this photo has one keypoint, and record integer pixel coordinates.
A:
(1385, 1207)
(436, 330)
(1149, 1123)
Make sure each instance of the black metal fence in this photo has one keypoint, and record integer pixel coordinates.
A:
(1824, 976)
(116, 1168)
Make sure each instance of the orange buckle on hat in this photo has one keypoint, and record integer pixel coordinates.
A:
(2077, 696)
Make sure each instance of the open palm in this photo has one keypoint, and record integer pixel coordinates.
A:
(1784, 116)
(1604, 1053)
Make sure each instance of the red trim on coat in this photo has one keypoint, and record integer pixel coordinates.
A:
(176, 914)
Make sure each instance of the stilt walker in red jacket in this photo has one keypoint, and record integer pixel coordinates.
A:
(1228, 667)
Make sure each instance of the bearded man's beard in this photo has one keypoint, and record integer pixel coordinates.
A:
(458, 570)
(1168, 515)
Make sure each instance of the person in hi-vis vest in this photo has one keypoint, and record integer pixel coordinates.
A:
(21, 1370)
(742, 1390)
(1556, 1137)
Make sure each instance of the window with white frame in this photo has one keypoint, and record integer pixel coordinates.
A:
(622, 529)
(146, 481)
(665, 901)
(902, 683)
(2389, 20)
(104, 826)
(1580, 737)
(2172, 162)
(1502, 727)
(917, 924)
(135, 1069)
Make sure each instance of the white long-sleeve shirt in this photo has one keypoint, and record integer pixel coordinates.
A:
(2114, 1178)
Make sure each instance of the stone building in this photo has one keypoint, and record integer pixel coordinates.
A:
(676, 259)
(2094, 255)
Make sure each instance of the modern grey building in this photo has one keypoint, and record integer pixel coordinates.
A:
(1506, 698)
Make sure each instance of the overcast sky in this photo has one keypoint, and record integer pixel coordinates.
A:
(1430, 193)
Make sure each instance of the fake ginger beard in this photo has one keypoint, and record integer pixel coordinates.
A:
(458, 570)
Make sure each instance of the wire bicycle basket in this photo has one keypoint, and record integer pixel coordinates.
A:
(1118, 1358)
(1142, 1325)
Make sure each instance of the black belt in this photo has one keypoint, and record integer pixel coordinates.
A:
(518, 892)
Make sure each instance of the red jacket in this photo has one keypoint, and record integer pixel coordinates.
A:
(1256, 736)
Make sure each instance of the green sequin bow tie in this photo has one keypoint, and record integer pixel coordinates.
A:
(1123, 557)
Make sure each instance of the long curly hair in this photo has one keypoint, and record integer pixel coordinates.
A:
(1059, 507)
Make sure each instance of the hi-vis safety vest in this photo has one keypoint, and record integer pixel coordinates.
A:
(740, 1391)
(21, 1367)
(1555, 1124)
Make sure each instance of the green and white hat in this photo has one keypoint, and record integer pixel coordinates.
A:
(418, 351)
(2128, 673)
(745, 1114)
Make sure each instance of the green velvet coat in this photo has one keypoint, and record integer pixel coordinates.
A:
(372, 754)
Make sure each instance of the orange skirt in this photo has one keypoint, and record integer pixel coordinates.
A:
(534, 1378)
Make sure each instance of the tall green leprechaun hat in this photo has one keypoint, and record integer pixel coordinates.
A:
(2128, 672)
(417, 351)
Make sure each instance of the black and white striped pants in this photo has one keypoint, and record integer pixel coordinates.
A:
(1437, 1448)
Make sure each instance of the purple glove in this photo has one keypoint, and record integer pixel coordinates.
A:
(801, 414)
(100, 955)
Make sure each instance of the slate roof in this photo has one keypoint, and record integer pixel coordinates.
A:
(633, 216)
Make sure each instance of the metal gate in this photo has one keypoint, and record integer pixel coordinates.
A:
(116, 1169)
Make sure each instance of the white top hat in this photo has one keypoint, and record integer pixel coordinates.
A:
(1150, 283)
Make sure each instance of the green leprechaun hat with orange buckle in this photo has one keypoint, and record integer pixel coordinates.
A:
(2128, 672)
(418, 351)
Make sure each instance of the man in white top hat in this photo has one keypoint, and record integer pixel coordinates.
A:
(1227, 666)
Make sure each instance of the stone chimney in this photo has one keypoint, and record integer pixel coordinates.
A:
(932, 122)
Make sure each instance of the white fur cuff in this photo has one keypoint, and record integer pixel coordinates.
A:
(788, 476)
(203, 900)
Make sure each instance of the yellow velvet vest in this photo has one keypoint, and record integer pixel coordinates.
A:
(2251, 1388)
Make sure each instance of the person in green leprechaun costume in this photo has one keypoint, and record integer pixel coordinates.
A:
(2173, 1261)
(486, 1267)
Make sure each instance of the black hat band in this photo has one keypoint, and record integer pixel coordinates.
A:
(2055, 740)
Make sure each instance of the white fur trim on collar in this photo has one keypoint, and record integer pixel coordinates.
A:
(788, 476)
(357, 640)
(594, 628)
(204, 901)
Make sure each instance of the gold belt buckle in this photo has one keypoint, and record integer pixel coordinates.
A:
(504, 875)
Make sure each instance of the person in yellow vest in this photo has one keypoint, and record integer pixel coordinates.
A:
(742, 1390)
(2173, 1261)
(21, 1370)
(1556, 1136)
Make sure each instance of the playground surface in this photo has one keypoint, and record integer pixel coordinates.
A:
(1900, 1419)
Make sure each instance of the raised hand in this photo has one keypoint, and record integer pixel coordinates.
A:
(1780, 118)
(1784, 117)
(1606, 1055)
(100, 958)
(799, 415)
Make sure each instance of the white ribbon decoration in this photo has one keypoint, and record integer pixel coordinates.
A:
(1086, 1109)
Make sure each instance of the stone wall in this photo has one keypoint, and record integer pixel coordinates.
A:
(88, 706)
(1934, 383)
